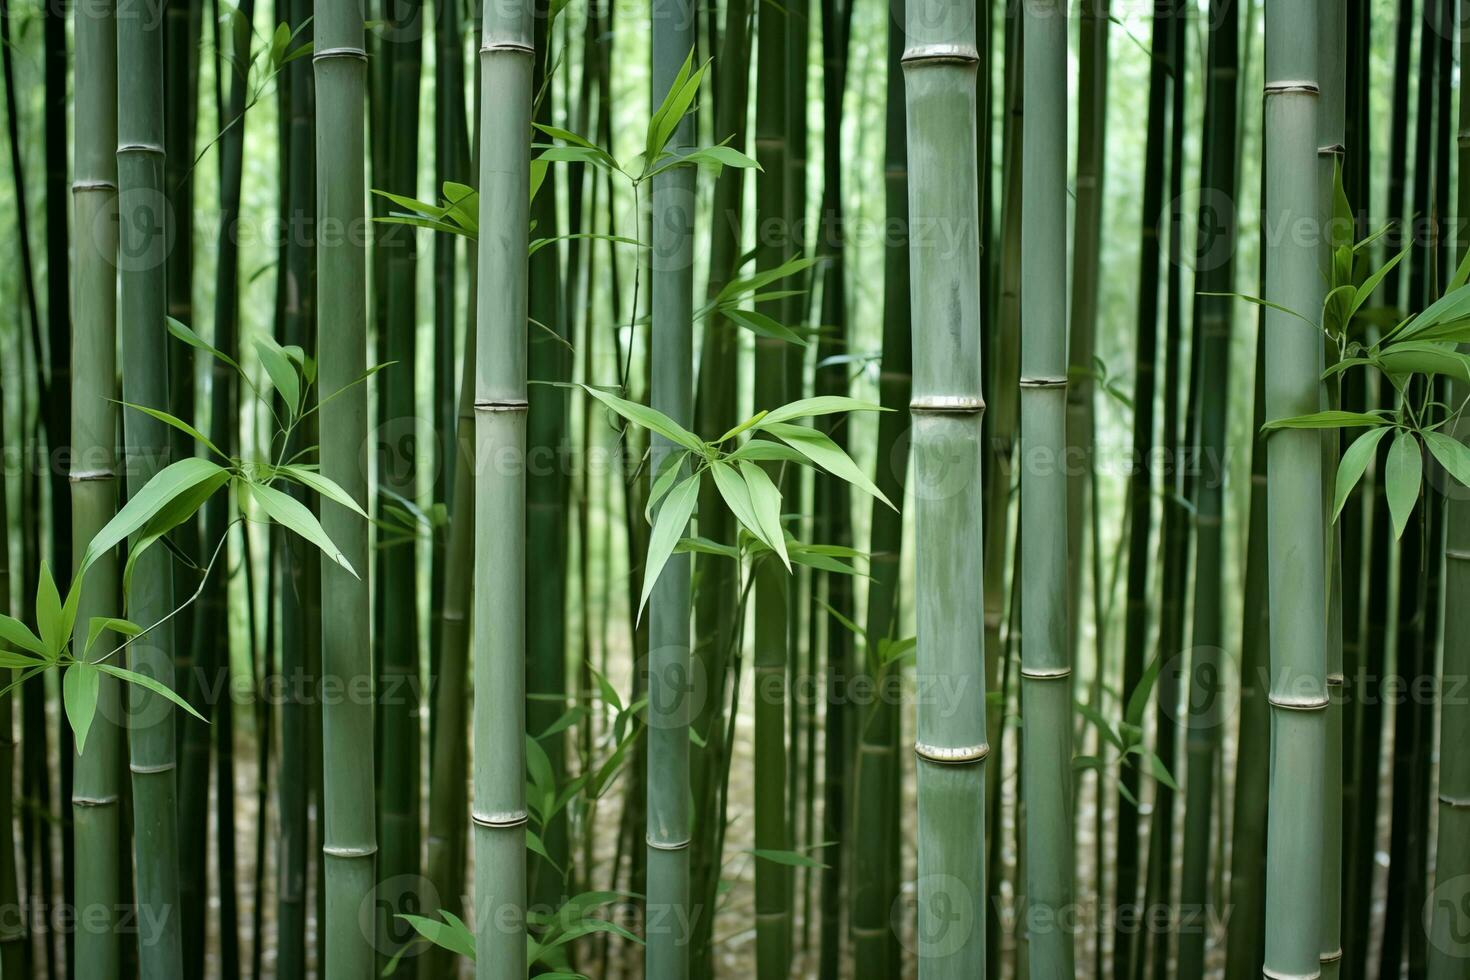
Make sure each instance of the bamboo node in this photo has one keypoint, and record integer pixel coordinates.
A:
(658, 845)
(339, 851)
(93, 185)
(142, 769)
(1455, 802)
(510, 47)
(344, 51)
(956, 756)
(1298, 704)
(1043, 382)
(494, 821)
(1331, 957)
(152, 148)
(1046, 673)
(943, 404)
(502, 405)
(94, 800)
(1333, 150)
(1290, 86)
(922, 54)
(1457, 554)
(1335, 679)
(88, 476)
(1271, 974)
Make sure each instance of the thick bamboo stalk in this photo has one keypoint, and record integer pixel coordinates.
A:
(1214, 251)
(1298, 689)
(772, 830)
(350, 839)
(940, 65)
(873, 888)
(499, 803)
(1448, 953)
(95, 810)
(142, 247)
(668, 911)
(1046, 669)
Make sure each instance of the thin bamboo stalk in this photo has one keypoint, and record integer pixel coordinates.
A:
(13, 947)
(668, 912)
(350, 837)
(1214, 252)
(1046, 669)
(940, 65)
(1298, 690)
(150, 719)
(499, 802)
(95, 788)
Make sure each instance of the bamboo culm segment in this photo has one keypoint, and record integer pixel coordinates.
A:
(1046, 683)
(95, 785)
(1298, 691)
(140, 167)
(668, 920)
(498, 810)
(940, 67)
(350, 833)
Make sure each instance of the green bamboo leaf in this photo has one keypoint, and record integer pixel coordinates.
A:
(1451, 453)
(1370, 285)
(79, 699)
(820, 405)
(1161, 772)
(19, 661)
(322, 485)
(763, 326)
(749, 284)
(765, 500)
(1262, 302)
(1422, 357)
(174, 512)
(736, 495)
(282, 372)
(293, 514)
(792, 859)
(767, 451)
(673, 521)
(1325, 420)
(1354, 462)
(1403, 476)
(821, 450)
(179, 424)
(731, 434)
(16, 634)
(668, 475)
(54, 630)
(182, 332)
(457, 940)
(166, 484)
(151, 683)
(648, 418)
(97, 624)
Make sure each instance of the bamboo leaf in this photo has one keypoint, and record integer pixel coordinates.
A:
(1370, 285)
(15, 633)
(182, 332)
(327, 488)
(736, 495)
(765, 500)
(79, 699)
(767, 451)
(167, 483)
(282, 372)
(820, 405)
(1403, 476)
(1421, 357)
(668, 474)
(174, 512)
(821, 450)
(152, 684)
(1354, 462)
(673, 520)
(1451, 453)
(293, 514)
(97, 624)
(1325, 420)
(648, 418)
(763, 326)
(49, 621)
(792, 859)
(179, 424)
(731, 434)
(457, 940)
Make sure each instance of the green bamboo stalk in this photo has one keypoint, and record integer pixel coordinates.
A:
(1092, 72)
(95, 787)
(940, 65)
(719, 385)
(397, 564)
(142, 249)
(350, 838)
(1214, 251)
(499, 808)
(772, 829)
(1140, 479)
(1246, 939)
(832, 504)
(873, 889)
(1447, 955)
(1298, 689)
(668, 909)
(13, 933)
(1331, 120)
(1046, 687)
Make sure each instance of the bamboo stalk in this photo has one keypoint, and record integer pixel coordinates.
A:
(1298, 690)
(95, 786)
(140, 168)
(13, 933)
(499, 805)
(350, 836)
(1046, 669)
(940, 64)
(1214, 251)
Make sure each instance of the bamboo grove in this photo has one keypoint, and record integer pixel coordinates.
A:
(800, 488)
